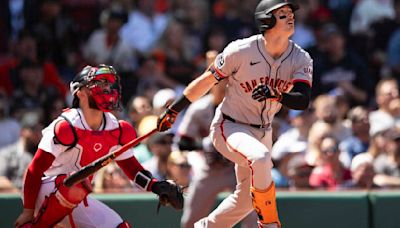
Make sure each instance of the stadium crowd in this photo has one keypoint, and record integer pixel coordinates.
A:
(349, 138)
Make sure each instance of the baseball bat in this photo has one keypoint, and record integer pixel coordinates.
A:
(91, 168)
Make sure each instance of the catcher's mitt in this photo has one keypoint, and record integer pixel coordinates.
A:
(169, 193)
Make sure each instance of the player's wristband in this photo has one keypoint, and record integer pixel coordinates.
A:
(180, 104)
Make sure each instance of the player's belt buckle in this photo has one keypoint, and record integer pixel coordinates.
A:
(259, 126)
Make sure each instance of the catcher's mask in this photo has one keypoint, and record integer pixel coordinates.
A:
(104, 85)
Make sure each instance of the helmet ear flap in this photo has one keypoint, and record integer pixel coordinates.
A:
(269, 20)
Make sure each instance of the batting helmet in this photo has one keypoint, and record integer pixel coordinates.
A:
(264, 18)
(103, 83)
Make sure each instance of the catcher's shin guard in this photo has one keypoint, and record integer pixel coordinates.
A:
(60, 203)
(264, 203)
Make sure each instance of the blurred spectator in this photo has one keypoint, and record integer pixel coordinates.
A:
(394, 108)
(362, 172)
(359, 141)
(376, 146)
(318, 131)
(298, 172)
(379, 35)
(144, 27)
(326, 111)
(291, 142)
(106, 47)
(303, 35)
(179, 168)
(161, 99)
(215, 39)
(386, 91)
(330, 174)
(32, 94)
(138, 108)
(14, 159)
(387, 165)
(227, 16)
(149, 74)
(296, 138)
(111, 179)
(341, 11)
(367, 11)
(160, 145)
(341, 71)
(393, 52)
(52, 108)
(195, 15)
(142, 151)
(175, 55)
(17, 15)
(26, 49)
(9, 125)
(58, 39)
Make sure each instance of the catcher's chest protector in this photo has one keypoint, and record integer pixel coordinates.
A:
(89, 145)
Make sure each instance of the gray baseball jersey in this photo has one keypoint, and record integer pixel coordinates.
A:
(247, 64)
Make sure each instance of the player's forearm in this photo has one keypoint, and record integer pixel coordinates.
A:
(298, 98)
(200, 86)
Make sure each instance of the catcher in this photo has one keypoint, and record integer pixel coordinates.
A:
(77, 137)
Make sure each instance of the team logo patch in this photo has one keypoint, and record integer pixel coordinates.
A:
(97, 147)
(220, 61)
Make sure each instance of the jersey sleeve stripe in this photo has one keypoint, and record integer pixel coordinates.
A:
(217, 73)
(302, 80)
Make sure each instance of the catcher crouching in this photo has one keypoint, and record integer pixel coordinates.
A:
(81, 134)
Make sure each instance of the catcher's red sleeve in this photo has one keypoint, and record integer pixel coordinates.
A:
(33, 179)
(130, 166)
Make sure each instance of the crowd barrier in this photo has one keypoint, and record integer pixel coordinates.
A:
(308, 209)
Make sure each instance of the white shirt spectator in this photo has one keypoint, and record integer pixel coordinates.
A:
(142, 32)
(121, 55)
(368, 11)
(289, 142)
(10, 129)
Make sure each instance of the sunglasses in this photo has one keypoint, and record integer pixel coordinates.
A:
(184, 166)
(333, 149)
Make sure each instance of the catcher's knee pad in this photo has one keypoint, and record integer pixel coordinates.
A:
(60, 203)
(264, 203)
(124, 224)
(72, 195)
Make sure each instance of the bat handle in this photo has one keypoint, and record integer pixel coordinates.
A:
(87, 171)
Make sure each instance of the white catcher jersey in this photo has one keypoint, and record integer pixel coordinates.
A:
(246, 63)
(68, 160)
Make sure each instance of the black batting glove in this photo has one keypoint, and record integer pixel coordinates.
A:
(262, 92)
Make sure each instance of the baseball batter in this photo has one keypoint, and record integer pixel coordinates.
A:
(264, 72)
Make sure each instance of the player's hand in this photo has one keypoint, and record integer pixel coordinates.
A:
(25, 217)
(262, 92)
(166, 120)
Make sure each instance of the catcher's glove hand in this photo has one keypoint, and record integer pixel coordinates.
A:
(263, 92)
(169, 193)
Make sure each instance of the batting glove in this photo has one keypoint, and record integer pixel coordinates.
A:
(166, 120)
(262, 92)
